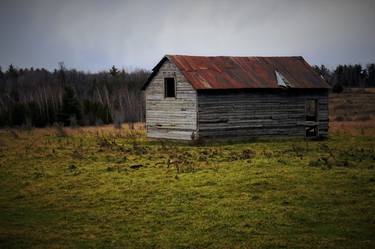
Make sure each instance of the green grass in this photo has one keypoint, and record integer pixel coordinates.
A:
(81, 191)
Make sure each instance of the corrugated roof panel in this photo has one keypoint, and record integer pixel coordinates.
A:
(228, 72)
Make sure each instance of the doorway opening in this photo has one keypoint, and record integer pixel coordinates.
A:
(311, 116)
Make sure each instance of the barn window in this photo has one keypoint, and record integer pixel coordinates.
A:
(169, 87)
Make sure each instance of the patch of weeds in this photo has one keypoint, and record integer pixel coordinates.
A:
(267, 153)
(121, 159)
(14, 134)
(163, 146)
(260, 183)
(19, 196)
(358, 154)
(136, 166)
(343, 158)
(117, 168)
(115, 159)
(322, 162)
(296, 151)
(208, 183)
(111, 168)
(247, 154)
(203, 154)
(138, 148)
(343, 163)
(230, 156)
(285, 203)
(182, 162)
(78, 152)
(74, 169)
(38, 174)
(197, 141)
(282, 161)
(104, 142)
(59, 130)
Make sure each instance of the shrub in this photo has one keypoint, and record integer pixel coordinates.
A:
(117, 124)
(337, 88)
(59, 130)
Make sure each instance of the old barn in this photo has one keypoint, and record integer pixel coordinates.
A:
(193, 97)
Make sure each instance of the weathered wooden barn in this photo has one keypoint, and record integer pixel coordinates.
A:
(193, 97)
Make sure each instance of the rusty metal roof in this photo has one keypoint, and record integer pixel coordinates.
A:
(229, 72)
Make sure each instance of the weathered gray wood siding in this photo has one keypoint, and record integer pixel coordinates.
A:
(172, 118)
(258, 113)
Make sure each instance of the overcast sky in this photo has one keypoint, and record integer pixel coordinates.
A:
(93, 35)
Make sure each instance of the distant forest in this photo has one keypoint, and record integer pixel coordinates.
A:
(37, 97)
(348, 76)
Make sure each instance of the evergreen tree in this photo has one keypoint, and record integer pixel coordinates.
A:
(2, 77)
(12, 72)
(370, 75)
(339, 75)
(61, 73)
(323, 71)
(114, 71)
(71, 108)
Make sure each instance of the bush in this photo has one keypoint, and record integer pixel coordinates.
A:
(337, 88)
(59, 130)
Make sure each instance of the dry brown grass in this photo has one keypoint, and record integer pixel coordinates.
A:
(365, 128)
(126, 130)
(353, 112)
(352, 106)
(109, 130)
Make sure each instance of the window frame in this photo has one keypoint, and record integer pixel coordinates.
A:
(165, 87)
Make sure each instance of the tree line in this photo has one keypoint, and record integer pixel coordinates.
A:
(38, 97)
(347, 76)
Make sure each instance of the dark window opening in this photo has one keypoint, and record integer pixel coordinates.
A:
(312, 116)
(169, 88)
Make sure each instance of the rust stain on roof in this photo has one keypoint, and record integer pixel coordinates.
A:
(228, 72)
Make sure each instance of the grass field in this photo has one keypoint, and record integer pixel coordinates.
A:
(353, 105)
(111, 188)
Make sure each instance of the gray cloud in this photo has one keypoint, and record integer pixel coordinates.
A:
(93, 35)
